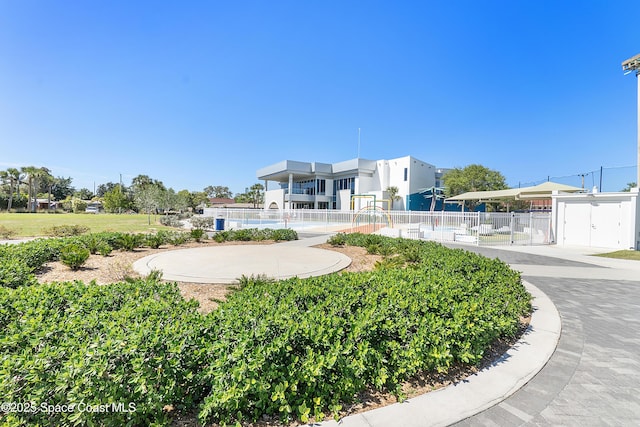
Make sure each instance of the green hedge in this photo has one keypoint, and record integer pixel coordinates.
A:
(299, 348)
(69, 343)
(256, 234)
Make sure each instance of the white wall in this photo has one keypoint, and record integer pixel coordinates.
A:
(274, 196)
(343, 200)
(607, 220)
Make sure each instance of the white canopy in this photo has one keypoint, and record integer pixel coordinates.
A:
(540, 191)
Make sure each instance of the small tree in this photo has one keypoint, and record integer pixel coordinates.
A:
(74, 256)
(629, 186)
(116, 200)
(393, 194)
(472, 178)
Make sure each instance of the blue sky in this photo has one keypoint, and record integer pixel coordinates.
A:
(201, 93)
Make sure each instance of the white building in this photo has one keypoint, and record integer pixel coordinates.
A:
(347, 185)
(602, 220)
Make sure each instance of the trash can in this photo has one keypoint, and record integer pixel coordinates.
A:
(219, 224)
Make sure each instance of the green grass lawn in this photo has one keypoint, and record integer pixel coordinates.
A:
(624, 254)
(35, 224)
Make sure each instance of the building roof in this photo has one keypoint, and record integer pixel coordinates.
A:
(300, 170)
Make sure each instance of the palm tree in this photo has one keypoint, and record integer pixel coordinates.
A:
(14, 180)
(4, 177)
(30, 172)
(48, 180)
(393, 194)
(14, 177)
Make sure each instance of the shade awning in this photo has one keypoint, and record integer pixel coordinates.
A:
(544, 190)
(540, 191)
(485, 196)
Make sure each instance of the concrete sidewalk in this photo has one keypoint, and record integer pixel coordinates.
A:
(226, 264)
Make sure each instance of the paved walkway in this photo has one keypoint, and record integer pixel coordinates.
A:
(226, 264)
(593, 378)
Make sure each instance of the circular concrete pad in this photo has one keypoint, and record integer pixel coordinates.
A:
(225, 264)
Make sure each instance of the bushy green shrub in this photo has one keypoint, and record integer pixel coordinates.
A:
(93, 242)
(197, 234)
(155, 240)
(178, 238)
(105, 249)
(66, 230)
(203, 222)
(256, 234)
(74, 256)
(170, 221)
(68, 343)
(301, 348)
(284, 234)
(130, 241)
(15, 273)
(337, 240)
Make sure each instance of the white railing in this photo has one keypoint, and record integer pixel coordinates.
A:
(479, 228)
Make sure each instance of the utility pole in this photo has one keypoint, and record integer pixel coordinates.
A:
(633, 64)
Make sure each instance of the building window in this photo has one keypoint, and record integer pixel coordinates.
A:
(406, 173)
(344, 184)
(320, 186)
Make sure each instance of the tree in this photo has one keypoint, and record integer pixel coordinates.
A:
(83, 194)
(30, 172)
(62, 188)
(47, 180)
(116, 200)
(218, 191)
(105, 188)
(629, 186)
(184, 200)
(393, 194)
(148, 199)
(472, 178)
(255, 194)
(199, 198)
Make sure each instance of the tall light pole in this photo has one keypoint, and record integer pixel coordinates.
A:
(633, 64)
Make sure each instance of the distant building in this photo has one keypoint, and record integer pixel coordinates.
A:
(351, 184)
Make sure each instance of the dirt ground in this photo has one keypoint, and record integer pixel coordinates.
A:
(118, 266)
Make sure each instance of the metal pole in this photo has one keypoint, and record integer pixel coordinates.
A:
(600, 186)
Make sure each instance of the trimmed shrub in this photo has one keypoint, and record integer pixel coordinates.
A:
(337, 240)
(93, 242)
(203, 222)
(130, 241)
(74, 256)
(179, 238)
(301, 348)
(170, 221)
(15, 273)
(154, 241)
(197, 234)
(134, 343)
(104, 249)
